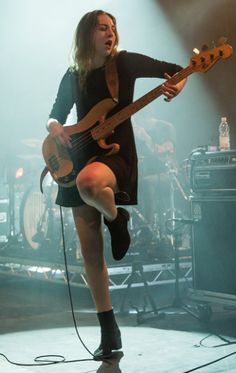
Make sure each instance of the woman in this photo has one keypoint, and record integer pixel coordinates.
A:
(107, 181)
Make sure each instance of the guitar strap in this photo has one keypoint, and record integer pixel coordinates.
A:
(42, 176)
(112, 80)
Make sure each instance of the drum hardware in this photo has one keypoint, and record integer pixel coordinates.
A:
(178, 184)
(41, 226)
(137, 270)
(29, 220)
(144, 237)
(44, 236)
(149, 239)
(174, 226)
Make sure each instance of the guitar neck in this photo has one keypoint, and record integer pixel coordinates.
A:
(105, 128)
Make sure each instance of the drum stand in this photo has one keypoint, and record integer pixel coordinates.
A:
(174, 226)
(42, 237)
(137, 270)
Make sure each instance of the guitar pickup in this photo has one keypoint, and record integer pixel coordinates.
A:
(53, 163)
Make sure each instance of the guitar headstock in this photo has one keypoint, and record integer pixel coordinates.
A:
(205, 60)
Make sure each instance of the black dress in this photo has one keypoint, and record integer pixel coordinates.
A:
(130, 66)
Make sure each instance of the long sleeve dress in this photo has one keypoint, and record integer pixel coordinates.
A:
(130, 66)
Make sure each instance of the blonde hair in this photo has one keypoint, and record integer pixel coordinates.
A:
(83, 45)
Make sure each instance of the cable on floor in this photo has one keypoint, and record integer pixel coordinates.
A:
(44, 360)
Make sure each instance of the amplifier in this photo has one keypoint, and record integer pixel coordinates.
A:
(213, 171)
(213, 248)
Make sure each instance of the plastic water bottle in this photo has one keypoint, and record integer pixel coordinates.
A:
(224, 139)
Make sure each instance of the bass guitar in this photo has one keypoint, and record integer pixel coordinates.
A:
(64, 163)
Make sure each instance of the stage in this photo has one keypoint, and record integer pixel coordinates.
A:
(36, 320)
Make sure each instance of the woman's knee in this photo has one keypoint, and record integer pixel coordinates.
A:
(86, 185)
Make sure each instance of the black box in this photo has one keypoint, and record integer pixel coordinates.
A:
(214, 245)
(213, 172)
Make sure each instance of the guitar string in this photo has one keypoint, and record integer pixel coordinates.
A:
(79, 144)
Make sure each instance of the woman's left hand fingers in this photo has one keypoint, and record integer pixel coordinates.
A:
(169, 90)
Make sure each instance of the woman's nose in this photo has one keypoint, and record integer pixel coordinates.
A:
(110, 32)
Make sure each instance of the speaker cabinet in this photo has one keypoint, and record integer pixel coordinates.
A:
(214, 244)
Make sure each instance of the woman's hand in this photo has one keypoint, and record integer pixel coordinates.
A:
(172, 90)
(57, 131)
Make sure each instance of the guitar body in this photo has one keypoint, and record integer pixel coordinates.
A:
(64, 163)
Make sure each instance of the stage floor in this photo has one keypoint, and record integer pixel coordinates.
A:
(35, 320)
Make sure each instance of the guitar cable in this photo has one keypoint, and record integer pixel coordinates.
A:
(68, 284)
(53, 359)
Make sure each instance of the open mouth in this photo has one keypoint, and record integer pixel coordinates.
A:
(108, 43)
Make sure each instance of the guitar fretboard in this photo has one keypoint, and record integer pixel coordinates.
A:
(105, 128)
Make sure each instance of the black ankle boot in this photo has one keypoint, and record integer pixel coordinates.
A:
(110, 336)
(120, 238)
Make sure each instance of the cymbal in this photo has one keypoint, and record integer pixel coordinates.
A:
(32, 143)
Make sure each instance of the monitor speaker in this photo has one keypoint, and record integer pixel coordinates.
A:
(214, 244)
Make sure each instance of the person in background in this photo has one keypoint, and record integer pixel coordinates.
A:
(156, 146)
(156, 143)
(106, 182)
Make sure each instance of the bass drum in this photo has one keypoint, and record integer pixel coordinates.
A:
(40, 225)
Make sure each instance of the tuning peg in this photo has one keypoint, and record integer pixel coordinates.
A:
(204, 48)
(196, 51)
(221, 41)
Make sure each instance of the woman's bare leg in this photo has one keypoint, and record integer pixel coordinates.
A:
(88, 224)
(97, 184)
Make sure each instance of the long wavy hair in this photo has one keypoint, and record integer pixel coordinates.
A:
(83, 46)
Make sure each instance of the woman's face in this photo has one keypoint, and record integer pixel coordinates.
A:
(104, 37)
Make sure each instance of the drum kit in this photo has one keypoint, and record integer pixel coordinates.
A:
(34, 221)
(162, 200)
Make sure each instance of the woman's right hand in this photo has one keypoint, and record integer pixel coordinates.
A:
(57, 131)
